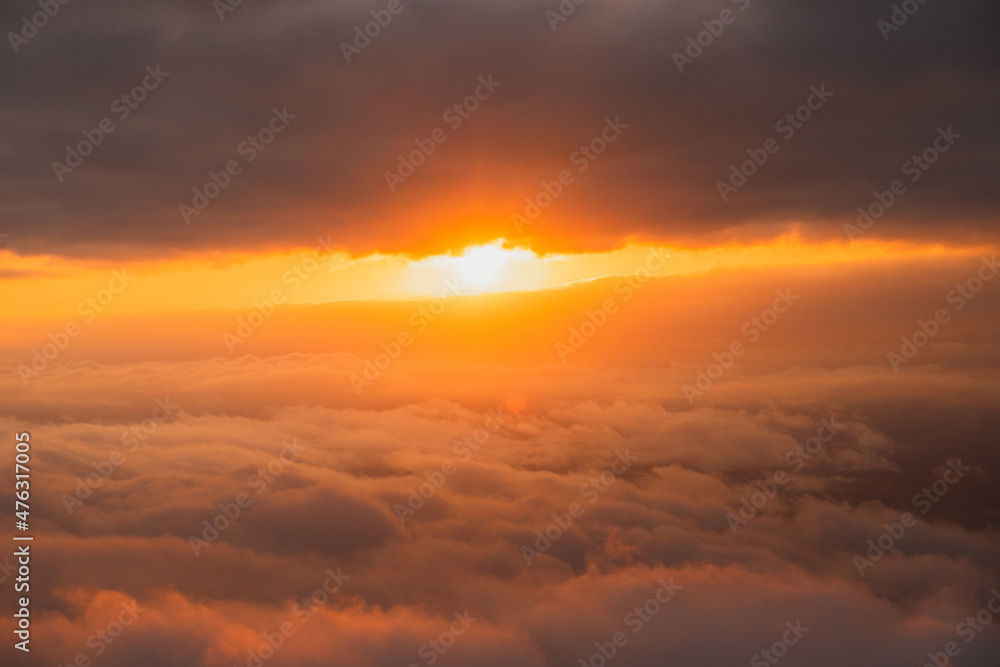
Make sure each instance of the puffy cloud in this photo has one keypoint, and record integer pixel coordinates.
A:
(333, 506)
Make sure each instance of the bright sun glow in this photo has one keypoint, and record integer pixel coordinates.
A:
(489, 267)
(482, 266)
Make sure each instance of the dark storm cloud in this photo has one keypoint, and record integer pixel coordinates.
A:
(608, 59)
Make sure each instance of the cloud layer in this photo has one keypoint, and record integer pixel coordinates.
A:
(322, 476)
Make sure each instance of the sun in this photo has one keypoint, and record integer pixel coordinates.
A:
(479, 269)
(483, 266)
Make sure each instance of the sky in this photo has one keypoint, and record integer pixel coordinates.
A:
(622, 333)
(220, 82)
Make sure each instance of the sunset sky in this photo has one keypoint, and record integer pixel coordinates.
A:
(399, 333)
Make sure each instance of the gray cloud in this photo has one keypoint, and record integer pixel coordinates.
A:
(612, 59)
